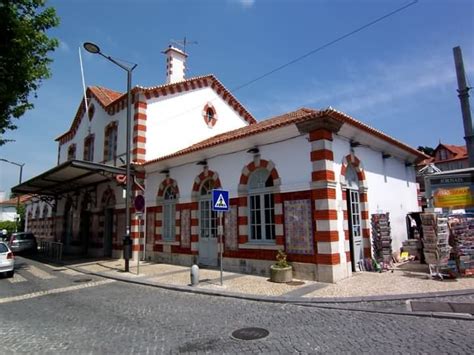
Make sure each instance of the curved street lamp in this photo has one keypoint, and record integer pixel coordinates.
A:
(127, 242)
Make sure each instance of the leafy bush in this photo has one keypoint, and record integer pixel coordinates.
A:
(281, 260)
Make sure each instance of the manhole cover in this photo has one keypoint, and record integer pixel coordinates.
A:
(83, 280)
(250, 333)
(295, 283)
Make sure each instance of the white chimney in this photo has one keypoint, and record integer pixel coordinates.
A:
(175, 64)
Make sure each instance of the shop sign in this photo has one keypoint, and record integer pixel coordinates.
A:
(452, 180)
(455, 197)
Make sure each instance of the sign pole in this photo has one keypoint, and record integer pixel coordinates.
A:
(220, 204)
(139, 204)
(221, 231)
(139, 244)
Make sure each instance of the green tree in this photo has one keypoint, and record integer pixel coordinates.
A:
(24, 61)
(427, 150)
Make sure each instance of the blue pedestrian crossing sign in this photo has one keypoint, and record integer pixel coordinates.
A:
(220, 200)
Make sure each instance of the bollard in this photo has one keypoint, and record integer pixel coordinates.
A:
(194, 275)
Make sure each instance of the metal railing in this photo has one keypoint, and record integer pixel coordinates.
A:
(51, 250)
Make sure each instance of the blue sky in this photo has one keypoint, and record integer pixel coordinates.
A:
(397, 76)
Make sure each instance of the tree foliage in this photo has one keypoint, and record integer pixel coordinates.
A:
(10, 226)
(427, 150)
(24, 61)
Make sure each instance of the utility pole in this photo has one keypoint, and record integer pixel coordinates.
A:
(463, 91)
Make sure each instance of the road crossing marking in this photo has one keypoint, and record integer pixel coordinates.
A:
(71, 272)
(43, 275)
(37, 272)
(16, 279)
(54, 291)
(64, 270)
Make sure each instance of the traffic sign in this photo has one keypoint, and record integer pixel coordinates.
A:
(220, 200)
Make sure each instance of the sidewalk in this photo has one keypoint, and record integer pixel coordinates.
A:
(410, 280)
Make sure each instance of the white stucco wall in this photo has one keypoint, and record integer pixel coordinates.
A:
(291, 159)
(391, 186)
(97, 127)
(175, 121)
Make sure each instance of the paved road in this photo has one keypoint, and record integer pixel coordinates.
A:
(54, 314)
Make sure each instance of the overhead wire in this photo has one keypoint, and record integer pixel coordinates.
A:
(311, 52)
(330, 43)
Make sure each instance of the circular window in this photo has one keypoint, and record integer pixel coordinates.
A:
(209, 114)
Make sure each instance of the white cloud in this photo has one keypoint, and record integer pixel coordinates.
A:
(246, 3)
(378, 84)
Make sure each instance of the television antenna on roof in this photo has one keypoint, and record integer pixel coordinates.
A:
(183, 42)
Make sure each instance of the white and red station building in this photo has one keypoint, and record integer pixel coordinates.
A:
(305, 182)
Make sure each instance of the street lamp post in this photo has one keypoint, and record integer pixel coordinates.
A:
(127, 242)
(21, 165)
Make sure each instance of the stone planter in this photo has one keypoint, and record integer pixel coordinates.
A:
(278, 274)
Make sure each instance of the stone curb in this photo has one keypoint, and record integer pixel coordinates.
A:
(444, 315)
(318, 302)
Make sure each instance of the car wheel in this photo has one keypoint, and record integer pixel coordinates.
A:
(10, 273)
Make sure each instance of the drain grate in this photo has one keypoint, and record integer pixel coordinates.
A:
(251, 333)
(82, 280)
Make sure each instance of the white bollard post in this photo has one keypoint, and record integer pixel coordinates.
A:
(194, 275)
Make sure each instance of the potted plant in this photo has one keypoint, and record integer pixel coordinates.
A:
(281, 271)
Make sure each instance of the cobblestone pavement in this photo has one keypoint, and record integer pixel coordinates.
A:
(118, 317)
(405, 279)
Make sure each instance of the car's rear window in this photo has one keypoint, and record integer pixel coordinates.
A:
(24, 237)
(3, 248)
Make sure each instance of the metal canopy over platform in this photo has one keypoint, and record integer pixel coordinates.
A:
(67, 177)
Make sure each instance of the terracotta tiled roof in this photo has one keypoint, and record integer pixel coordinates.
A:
(301, 115)
(13, 201)
(104, 96)
(113, 101)
(426, 161)
(459, 151)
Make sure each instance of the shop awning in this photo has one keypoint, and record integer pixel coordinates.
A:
(70, 176)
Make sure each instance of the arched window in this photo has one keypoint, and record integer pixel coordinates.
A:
(89, 148)
(169, 213)
(208, 220)
(71, 152)
(261, 206)
(110, 142)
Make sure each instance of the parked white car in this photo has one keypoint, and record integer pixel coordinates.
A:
(7, 260)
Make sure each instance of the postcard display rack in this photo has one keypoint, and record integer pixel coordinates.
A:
(435, 243)
(381, 237)
(462, 234)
